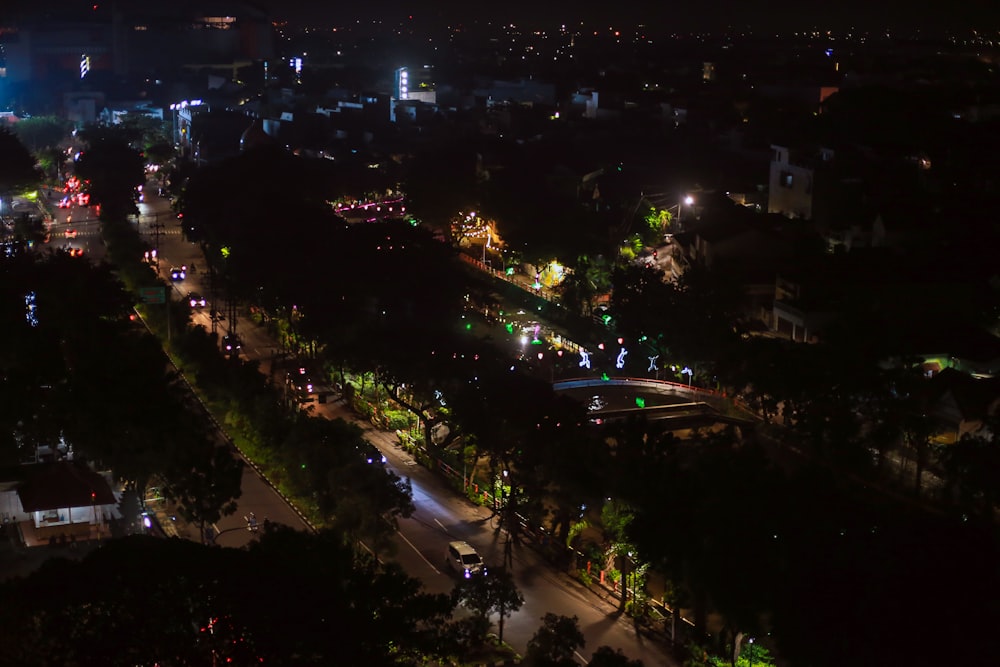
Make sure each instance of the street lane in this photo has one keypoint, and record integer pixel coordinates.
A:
(441, 514)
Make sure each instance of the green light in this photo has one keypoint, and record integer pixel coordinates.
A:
(510, 271)
(640, 401)
(607, 319)
(303, 466)
(537, 341)
(468, 326)
(224, 251)
(510, 327)
(643, 338)
(604, 377)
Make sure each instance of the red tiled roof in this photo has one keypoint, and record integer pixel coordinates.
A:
(51, 486)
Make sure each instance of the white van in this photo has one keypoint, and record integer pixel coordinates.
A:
(462, 557)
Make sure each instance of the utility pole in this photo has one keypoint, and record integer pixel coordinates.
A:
(156, 226)
(213, 312)
(621, 232)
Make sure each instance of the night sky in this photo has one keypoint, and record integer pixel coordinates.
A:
(664, 16)
(981, 15)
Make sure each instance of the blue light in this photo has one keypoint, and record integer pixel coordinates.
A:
(31, 308)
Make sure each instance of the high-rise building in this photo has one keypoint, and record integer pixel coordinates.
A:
(415, 83)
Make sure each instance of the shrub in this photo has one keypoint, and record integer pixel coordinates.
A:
(399, 420)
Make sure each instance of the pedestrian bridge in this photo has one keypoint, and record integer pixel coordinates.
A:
(623, 397)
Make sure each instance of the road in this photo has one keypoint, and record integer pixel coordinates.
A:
(441, 515)
(83, 220)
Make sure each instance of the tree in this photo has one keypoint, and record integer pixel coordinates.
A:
(588, 278)
(348, 607)
(142, 601)
(605, 656)
(370, 501)
(43, 135)
(538, 210)
(41, 132)
(494, 593)
(972, 466)
(134, 415)
(114, 170)
(555, 642)
(919, 430)
(441, 181)
(645, 307)
(204, 481)
(17, 169)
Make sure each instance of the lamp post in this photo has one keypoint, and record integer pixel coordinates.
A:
(687, 201)
(750, 650)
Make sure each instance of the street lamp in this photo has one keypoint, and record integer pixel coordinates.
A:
(750, 650)
(687, 201)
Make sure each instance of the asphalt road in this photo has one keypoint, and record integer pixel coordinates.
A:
(441, 515)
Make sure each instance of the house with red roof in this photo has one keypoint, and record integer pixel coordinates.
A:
(54, 499)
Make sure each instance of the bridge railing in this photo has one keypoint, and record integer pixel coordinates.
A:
(718, 400)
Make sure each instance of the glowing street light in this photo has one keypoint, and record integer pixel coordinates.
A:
(687, 201)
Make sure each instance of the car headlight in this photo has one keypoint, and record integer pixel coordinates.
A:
(468, 575)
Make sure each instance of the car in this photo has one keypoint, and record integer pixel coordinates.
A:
(65, 203)
(71, 233)
(196, 300)
(231, 343)
(371, 453)
(75, 252)
(301, 382)
(462, 557)
(177, 273)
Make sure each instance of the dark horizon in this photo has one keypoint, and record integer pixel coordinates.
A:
(709, 15)
(980, 16)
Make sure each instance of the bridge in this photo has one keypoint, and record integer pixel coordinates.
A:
(623, 397)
